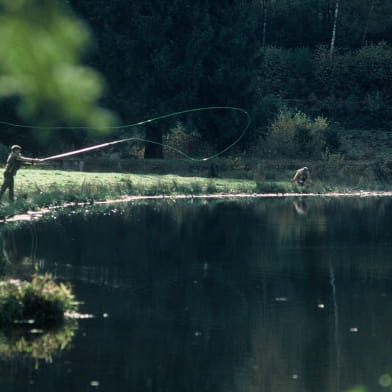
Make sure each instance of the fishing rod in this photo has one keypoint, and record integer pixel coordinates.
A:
(75, 152)
(173, 114)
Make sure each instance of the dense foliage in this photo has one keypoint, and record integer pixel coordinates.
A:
(40, 51)
(40, 302)
(325, 58)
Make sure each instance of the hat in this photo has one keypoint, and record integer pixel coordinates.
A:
(16, 147)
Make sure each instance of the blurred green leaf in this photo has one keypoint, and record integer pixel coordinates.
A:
(40, 52)
(358, 388)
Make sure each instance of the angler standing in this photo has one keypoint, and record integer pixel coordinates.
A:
(14, 161)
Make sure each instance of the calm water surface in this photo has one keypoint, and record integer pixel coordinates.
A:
(267, 295)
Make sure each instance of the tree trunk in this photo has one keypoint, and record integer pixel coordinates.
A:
(365, 31)
(153, 145)
(335, 19)
(265, 16)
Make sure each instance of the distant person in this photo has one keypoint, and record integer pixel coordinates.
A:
(302, 176)
(14, 161)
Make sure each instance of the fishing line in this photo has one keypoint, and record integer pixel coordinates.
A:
(165, 116)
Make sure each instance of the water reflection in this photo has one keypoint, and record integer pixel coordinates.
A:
(219, 296)
(300, 206)
(37, 344)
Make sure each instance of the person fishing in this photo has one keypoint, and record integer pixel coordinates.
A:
(302, 176)
(14, 161)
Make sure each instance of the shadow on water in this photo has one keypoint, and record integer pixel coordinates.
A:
(261, 295)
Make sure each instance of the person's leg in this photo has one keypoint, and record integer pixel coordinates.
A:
(4, 186)
(11, 188)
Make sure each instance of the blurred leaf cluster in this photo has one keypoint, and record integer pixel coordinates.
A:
(40, 51)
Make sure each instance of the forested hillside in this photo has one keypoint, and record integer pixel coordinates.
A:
(326, 62)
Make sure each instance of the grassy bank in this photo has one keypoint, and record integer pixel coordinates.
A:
(42, 188)
(38, 187)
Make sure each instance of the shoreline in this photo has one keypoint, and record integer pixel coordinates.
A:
(37, 214)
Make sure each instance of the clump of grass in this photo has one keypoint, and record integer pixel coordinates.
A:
(195, 188)
(272, 187)
(211, 187)
(41, 302)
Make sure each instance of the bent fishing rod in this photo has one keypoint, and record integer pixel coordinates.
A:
(138, 139)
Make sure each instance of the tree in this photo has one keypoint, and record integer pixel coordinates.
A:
(164, 56)
(230, 67)
(265, 4)
(40, 50)
(369, 15)
(335, 21)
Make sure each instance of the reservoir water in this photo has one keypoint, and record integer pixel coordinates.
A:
(221, 295)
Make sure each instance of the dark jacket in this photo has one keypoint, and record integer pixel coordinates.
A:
(14, 161)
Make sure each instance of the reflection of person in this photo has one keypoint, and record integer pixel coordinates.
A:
(14, 161)
(300, 207)
(302, 176)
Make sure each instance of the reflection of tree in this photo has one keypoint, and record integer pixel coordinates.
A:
(34, 343)
(14, 261)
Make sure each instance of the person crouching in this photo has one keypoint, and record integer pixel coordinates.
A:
(302, 176)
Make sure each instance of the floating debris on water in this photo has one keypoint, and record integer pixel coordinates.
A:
(78, 316)
(36, 331)
(31, 321)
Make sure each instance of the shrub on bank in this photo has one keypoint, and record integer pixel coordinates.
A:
(39, 302)
(294, 134)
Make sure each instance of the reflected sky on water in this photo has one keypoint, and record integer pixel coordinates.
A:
(252, 295)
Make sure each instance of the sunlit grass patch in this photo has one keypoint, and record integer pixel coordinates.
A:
(37, 188)
(35, 184)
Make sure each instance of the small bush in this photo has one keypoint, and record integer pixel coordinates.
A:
(294, 134)
(211, 187)
(39, 302)
(179, 141)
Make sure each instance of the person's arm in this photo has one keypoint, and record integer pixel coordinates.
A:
(25, 161)
(295, 176)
